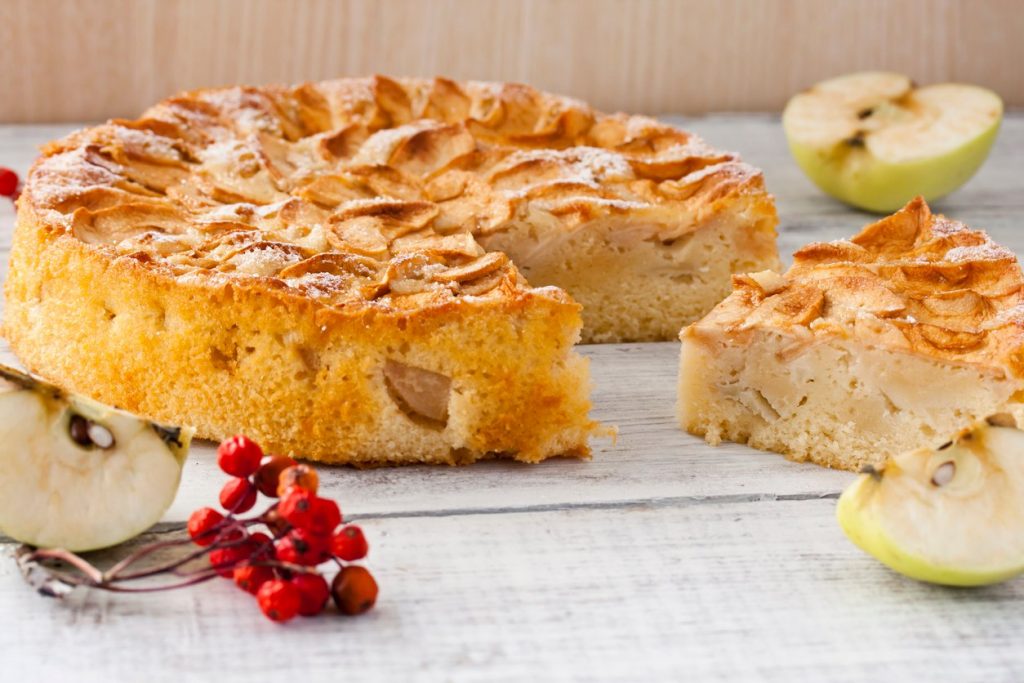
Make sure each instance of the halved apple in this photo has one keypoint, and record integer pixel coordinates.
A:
(79, 475)
(876, 141)
(952, 515)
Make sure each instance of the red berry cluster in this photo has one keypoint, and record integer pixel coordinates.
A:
(303, 531)
(8, 183)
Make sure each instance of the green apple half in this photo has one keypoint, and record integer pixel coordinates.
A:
(952, 515)
(875, 141)
(79, 475)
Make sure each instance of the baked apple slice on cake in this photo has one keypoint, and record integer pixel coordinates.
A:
(865, 348)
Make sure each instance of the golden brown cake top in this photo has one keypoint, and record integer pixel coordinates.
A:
(369, 190)
(913, 281)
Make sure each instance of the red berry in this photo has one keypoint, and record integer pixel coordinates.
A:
(226, 559)
(324, 516)
(354, 590)
(349, 544)
(295, 507)
(201, 525)
(8, 182)
(313, 593)
(269, 474)
(279, 600)
(249, 578)
(299, 476)
(260, 539)
(232, 533)
(277, 524)
(299, 546)
(238, 495)
(262, 546)
(239, 456)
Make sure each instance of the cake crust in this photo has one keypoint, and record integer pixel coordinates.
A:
(916, 325)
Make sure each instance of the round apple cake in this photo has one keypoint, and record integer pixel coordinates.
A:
(337, 269)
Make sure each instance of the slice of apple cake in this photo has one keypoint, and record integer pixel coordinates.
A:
(863, 349)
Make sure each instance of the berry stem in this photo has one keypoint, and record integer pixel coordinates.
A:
(171, 567)
(201, 576)
(91, 573)
(141, 553)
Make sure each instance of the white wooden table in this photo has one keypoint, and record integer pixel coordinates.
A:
(660, 559)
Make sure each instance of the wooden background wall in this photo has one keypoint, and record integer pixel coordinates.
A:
(90, 59)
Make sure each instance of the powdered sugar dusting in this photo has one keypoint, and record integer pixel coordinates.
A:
(944, 227)
(319, 285)
(265, 261)
(247, 110)
(228, 212)
(981, 252)
(379, 147)
(224, 153)
(736, 169)
(147, 143)
(69, 174)
(590, 166)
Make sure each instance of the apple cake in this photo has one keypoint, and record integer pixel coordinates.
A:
(337, 268)
(865, 348)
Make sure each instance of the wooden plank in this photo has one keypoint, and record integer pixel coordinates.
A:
(740, 591)
(115, 57)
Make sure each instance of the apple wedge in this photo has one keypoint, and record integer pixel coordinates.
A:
(875, 141)
(952, 515)
(79, 475)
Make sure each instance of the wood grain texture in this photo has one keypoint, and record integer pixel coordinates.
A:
(660, 559)
(720, 591)
(92, 59)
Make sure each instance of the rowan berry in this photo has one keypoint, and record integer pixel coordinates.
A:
(239, 456)
(354, 590)
(227, 558)
(349, 544)
(295, 507)
(8, 182)
(238, 495)
(324, 516)
(277, 524)
(269, 474)
(250, 577)
(260, 539)
(299, 546)
(278, 599)
(298, 476)
(313, 593)
(202, 526)
(232, 532)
